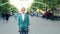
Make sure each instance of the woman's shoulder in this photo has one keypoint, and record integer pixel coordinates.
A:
(19, 14)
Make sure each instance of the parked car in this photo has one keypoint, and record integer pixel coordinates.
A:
(47, 15)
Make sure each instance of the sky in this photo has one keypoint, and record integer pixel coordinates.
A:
(21, 3)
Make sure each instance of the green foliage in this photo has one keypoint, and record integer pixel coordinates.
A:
(14, 9)
(6, 7)
(50, 4)
(38, 4)
(4, 1)
(0, 1)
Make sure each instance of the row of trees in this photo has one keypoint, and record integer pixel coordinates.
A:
(50, 4)
(5, 6)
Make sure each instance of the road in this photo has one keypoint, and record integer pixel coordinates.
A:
(38, 25)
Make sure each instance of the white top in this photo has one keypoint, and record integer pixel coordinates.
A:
(23, 15)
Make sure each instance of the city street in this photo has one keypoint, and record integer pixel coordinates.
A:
(38, 25)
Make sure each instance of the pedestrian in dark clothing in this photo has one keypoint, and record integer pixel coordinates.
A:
(3, 15)
(7, 16)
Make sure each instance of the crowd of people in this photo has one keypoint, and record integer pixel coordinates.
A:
(5, 16)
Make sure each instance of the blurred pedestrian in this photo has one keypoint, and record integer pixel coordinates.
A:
(7, 16)
(3, 16)
(15, 16)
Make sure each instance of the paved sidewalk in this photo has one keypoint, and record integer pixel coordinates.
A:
(38, 26)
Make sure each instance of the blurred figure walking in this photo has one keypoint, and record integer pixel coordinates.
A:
(15, 16)
(7, 16)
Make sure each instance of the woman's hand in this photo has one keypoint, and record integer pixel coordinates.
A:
(28, 29)
(18, 29)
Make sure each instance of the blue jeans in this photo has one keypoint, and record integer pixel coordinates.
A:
(23, 32)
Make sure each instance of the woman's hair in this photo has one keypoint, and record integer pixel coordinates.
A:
(23, 8)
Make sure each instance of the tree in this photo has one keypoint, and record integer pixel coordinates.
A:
(14, 9)
(5, 6)
(46, 4)
(52, 3)
(38, 4)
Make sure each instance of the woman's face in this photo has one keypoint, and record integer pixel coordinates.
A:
(23, 10)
